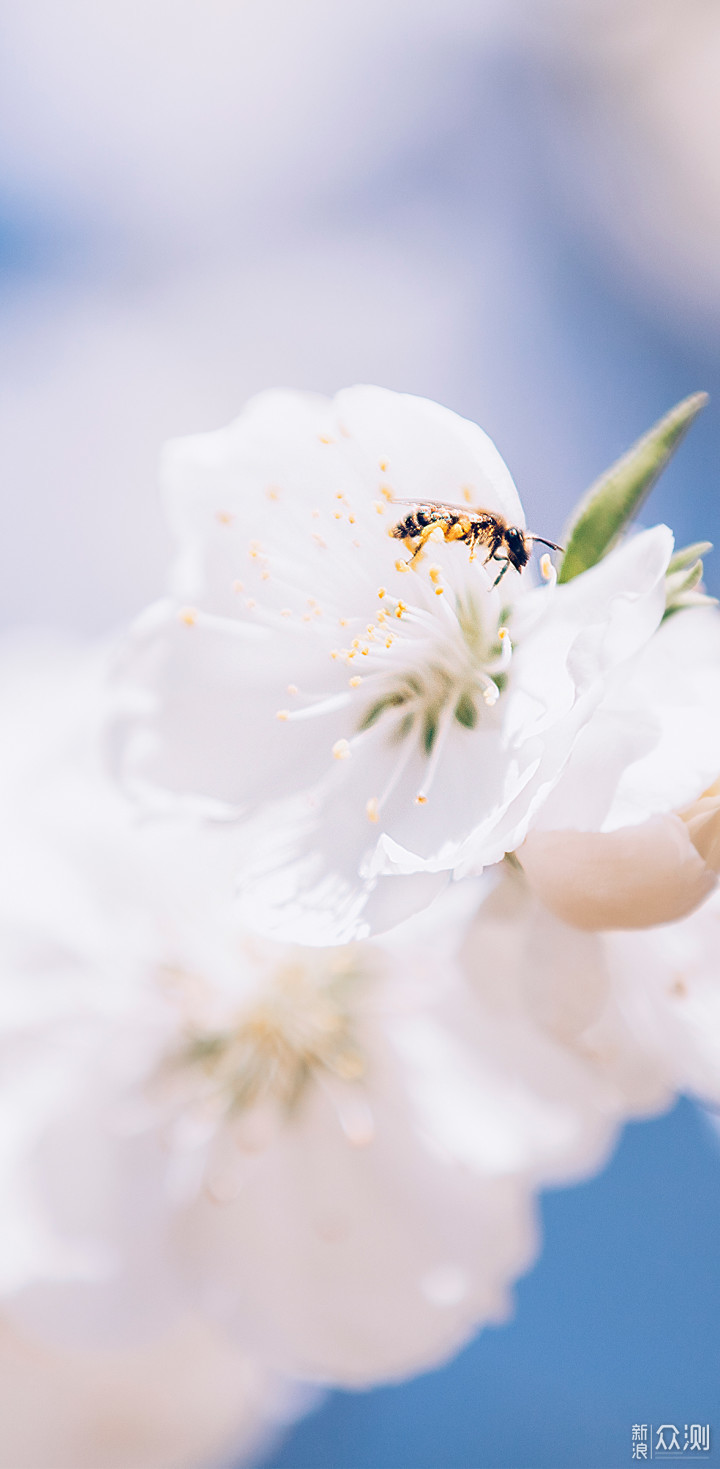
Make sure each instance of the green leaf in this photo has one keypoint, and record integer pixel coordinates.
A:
(683, 579)
(687, 556)
(612, 502)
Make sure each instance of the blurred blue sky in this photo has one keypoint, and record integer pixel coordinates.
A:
(446, 259)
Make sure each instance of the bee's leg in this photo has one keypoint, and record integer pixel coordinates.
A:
(492, 554)
(501, 573)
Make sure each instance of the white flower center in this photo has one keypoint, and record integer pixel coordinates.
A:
(431, 676)
(458, 675)
(299, 1025)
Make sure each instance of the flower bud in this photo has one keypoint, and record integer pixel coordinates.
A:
(702, 819)
(635, 877)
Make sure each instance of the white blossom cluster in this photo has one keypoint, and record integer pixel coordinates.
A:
(355, 897)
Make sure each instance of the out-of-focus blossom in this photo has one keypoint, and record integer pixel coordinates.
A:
(330, 1154)
(638, 1012)
(187, 1399)
(319, 1150)
(412, 719)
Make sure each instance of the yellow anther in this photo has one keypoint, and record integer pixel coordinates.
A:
(378, 507)
(238, 586)
(372, 809)
(337, 515)
(434, 572)
(503, 633)
(283, 714)
(421, 800)
(341, 750)
(335, 653)
(255, 547)
(382, 592)
(272, 492)
(467, 494)
(343, 621)
(325, 439)
(339, 495)
(292, 688)
(439, 591)
(386, 493)
(370, 629)
(402, 565)
(355, 681)
(364, 652)
(383, 466)
(265, 576)
(400, 608)
(351, 519)
(224, 517)
(546, 567)
(189, 616)
(356, 643)
(389, 642)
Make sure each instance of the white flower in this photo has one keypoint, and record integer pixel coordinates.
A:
(664, 703)
(187, 1398)
(621, 848)
(330, 1153)
(397, 724)
(637, 1012)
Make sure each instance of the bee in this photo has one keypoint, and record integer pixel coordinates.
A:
(506, 544)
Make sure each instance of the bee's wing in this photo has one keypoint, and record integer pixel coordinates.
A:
(444, 505)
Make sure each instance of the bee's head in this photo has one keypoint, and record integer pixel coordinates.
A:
(516, 546)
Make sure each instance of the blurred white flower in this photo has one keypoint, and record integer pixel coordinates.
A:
(637, 1012)
(330, 1153)
(189, 1398)
(396, 722)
